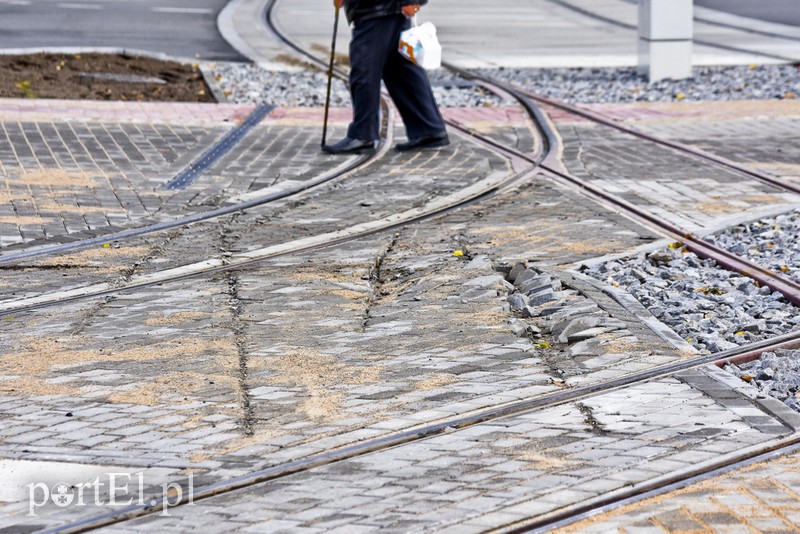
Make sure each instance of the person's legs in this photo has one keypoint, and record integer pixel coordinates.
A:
(411, 91)
(373, 56)
(368, 53)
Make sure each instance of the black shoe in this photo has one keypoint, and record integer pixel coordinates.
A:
(420, 143)
(349, 146)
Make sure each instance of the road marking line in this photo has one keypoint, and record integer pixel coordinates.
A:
(16, 2)
(184, 10)
(79, 6)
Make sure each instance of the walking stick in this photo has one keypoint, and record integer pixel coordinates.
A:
(330, 76)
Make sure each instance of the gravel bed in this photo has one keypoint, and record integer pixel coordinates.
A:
(246, 83)
(612, 85)
(711, 308)
(771, 243)
(776, 374)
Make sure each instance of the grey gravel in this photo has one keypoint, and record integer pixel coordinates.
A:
(246, 83)
(713, 309)
(772, 243)
(612, 85)
(243, 83)
(776, 374)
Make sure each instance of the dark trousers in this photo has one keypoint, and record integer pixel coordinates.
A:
(374, 56)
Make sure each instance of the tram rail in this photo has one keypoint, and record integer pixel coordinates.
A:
(538, 164)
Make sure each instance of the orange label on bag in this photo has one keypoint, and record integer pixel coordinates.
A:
(409, 51)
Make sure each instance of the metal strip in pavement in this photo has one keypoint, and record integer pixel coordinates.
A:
(246, 201)
(199, 167)
(457, 423)
(664, 484)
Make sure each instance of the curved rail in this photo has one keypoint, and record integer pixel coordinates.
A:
(425, 431)
(601, 119)
(295, 188)
(728, 260)
(441, 206)
(696, 152)
(789, 341)
(626, 496)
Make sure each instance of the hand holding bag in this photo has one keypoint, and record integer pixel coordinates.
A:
(420, 45)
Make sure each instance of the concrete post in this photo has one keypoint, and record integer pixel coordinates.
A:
(665, 39)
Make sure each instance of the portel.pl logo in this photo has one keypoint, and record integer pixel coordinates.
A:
(111, 489)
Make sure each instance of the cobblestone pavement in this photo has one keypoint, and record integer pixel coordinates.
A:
(104, 168)
(225, 374)
(762, 137)
(760, 498)
(499, 472)
(662, 179)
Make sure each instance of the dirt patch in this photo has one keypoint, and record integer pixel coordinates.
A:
(34, 387)
(37, 356)
(104, 259)
(333, 273)
(321, 376)
(58, 178)
(541, 460)
(21, 220)
(101, 77)
(174, 385)
(435, 382)
(175, 318)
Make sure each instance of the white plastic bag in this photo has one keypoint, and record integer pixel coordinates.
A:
(420, 45)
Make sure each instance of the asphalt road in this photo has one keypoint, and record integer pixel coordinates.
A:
(187, 28)
(782, 11)
(184, 28)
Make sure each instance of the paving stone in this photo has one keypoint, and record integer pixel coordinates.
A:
(404, 340)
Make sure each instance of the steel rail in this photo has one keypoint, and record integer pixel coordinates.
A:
(703, 249)
(244, 259)
(791, 340)
(531, 404)
(207, 159)
(259, 200)
(268, 16)
(616, 499)
(606, 121)
(214, 265)
(198, 167)
(702, 154)
(789, 288)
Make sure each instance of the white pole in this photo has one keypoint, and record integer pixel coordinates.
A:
(665, 39)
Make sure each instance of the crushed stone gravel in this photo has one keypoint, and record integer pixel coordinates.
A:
(618, 85)
(714, 309)
(776, 374)
(246, 83)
